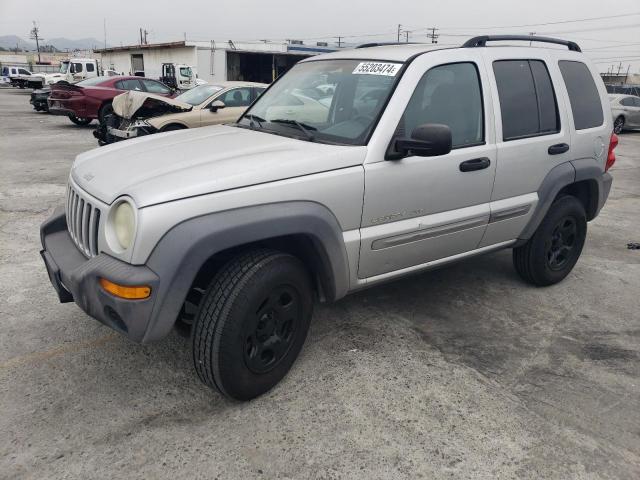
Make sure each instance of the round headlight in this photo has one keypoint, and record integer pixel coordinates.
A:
(124, 224)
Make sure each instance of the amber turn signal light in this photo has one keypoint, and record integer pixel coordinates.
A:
(122, 291)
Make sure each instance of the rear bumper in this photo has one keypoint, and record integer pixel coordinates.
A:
(75, 107)
(76, 278)
(605, 188)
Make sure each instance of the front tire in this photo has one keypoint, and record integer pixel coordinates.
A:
(550, 255)
(618, 125)
(80, 120)
(252, 323)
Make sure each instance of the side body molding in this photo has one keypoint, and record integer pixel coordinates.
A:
(181, 252)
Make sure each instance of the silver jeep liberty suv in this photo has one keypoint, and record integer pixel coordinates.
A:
(354, 168)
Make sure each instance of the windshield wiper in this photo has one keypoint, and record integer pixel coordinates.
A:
(257, 119)
(303, 127)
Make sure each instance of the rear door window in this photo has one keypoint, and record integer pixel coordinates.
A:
(90, 67)
(156, 87)
(527, 99)
(583, 94)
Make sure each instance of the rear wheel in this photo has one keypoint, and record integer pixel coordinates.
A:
(618, 125)
(252, 323)
(80, 120)
(555, 247)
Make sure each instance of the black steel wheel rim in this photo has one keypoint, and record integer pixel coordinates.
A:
(271, 328)
(562, 244)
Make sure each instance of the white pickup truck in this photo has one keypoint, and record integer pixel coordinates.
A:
(71, 70)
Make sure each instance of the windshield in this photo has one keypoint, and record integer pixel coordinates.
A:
(185, 71)
(332, 101)
(64, 66)
(197, 95)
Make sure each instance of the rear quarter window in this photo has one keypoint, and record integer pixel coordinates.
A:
(583, 94)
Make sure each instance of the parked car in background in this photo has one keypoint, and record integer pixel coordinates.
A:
(138, 113)
(15, 75)
(39, 99)
(626, 112)
(91, 99)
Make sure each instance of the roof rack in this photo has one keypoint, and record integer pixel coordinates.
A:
(385, 44)
(481, 41)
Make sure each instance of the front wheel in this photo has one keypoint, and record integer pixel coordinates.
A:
(555, 247)
(618, 125)
(79, 120)
(252, 323)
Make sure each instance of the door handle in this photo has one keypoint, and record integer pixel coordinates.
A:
(475, 164)
(558, 149)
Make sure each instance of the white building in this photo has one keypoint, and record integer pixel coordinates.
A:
(212, 61)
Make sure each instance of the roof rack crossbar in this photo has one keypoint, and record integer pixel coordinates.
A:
(482, 40)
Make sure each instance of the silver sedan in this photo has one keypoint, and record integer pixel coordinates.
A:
(626, 112)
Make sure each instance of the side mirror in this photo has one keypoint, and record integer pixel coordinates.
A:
(216, 105)
(427, 140)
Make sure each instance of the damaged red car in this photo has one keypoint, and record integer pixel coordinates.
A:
(91, 99)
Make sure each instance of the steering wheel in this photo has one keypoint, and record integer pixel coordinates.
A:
(364, 119)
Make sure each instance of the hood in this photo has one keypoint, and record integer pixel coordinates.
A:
(134, 104)
(164, 167)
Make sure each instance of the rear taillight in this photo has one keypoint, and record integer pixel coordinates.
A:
(611, 156)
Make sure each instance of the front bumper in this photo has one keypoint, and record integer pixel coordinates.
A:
(76, 278)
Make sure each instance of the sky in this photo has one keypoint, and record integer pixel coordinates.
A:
(608, 41)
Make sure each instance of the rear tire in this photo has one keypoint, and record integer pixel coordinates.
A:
(552, 252)
(618, 125)
(80, 120)
(252, 323)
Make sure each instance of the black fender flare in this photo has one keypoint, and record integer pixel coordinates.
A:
(560, 177)
(183, 250)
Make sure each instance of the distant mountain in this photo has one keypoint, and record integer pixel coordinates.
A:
(9, 42)
(80, 44)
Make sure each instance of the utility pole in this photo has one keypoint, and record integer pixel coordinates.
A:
(35, 34)
(433, 35)
(140, 36)
(531, 34)
(104, 26)
(406, 33)
(399, 31)
(339, 42)
(626, 75)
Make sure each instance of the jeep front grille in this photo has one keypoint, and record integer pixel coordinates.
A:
(83, 220)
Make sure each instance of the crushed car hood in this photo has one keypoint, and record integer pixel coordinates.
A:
(133, 104)
(164, 167)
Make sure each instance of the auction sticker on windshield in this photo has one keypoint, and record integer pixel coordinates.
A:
(377, 68)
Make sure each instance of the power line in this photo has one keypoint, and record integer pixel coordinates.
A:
(548, 23)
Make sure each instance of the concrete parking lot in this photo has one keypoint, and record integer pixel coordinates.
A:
(464, 372)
